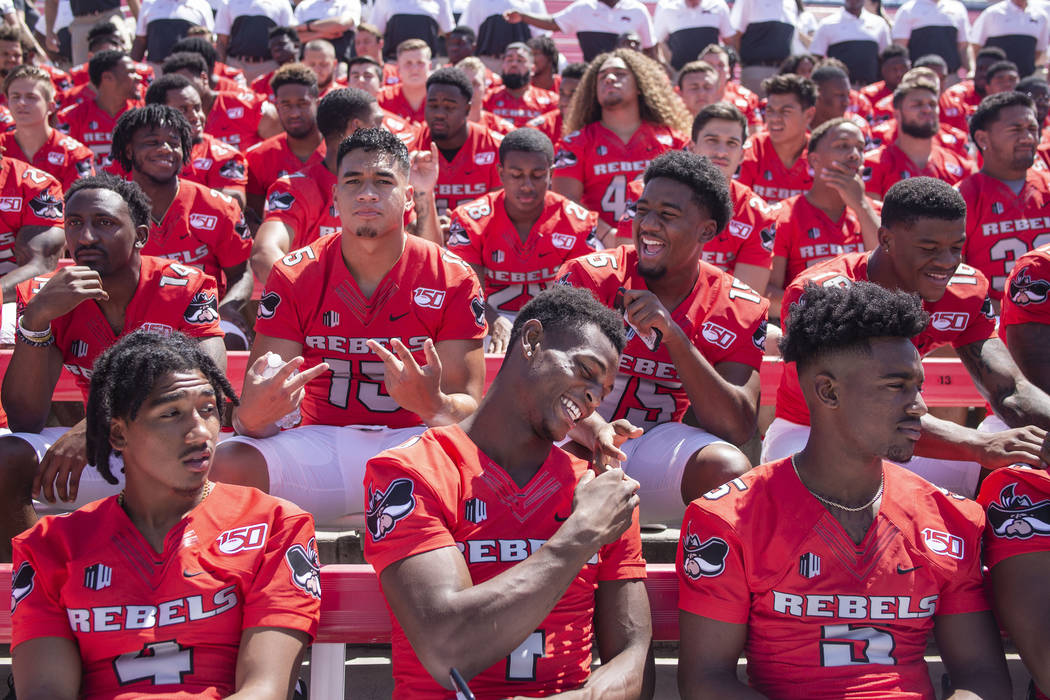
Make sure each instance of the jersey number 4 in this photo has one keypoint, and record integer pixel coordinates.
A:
(850, 645)
(521, 663)
(160, 663)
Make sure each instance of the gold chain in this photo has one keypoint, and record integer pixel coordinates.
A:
(208, 485)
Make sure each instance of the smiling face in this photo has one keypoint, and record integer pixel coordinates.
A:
(670, 228)
(925, 255)
(156, 152)
(100, 233)
(372, 195)
(168, 446)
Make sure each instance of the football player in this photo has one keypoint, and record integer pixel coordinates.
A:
(176, 586)
(829, 568)
(68, 318)
(406, 97)
(384, 328)
(920, 252)
(518, 99)
(91, 122)
(443, 572)
(697, 339)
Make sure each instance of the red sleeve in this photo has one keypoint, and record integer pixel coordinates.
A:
(964, 590)
(464, 316)
(1017, 503)
(44, 196)
(251, 156)
(203, 293)
(623, 559)
(570, 155)
(233, 240)
(230, 171)
(283, 321)
(625, 226)
(761, 217)
(286, 591)
(464, 236)
(973, 293)
(712, 578)
(1027, 295)
(285, 204)
(37, 577)
(406, 515)
(873, 180)
(784, 241)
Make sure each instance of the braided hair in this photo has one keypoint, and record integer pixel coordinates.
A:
(126, 373)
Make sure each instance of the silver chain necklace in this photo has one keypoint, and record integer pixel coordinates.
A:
(828, 502)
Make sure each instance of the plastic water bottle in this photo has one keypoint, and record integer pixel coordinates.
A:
(274, 363)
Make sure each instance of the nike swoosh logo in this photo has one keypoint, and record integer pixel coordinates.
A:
(561, 519)
(191, 574)
(907, 571)
(394, 318)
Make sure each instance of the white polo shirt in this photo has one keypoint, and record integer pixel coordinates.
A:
(194, 11)
(768, 28)
(937, 26)
(1020, 33)
(687, 30)
(440, 10)
(856, 41)
(596, 25)
(280, 11)
(310, 10)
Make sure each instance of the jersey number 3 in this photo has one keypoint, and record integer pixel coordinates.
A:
(160, 663)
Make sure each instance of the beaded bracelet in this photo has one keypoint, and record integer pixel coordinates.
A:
(39, 336)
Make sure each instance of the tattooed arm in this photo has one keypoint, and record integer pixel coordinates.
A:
(1014, 398)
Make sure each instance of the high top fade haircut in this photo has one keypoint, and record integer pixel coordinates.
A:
(917, 198)
(126, 373)
(152, 116)
(139, 206)
(377, 141)
(295, 73)
(832, 320)
(338, 108)
(564, 308)
(185, 60)
(157, 93)
(103, 62)
(527, 140)
(710, 191)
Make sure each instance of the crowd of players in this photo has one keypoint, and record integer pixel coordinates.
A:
(633, 238)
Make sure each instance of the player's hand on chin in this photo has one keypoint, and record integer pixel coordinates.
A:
(606, 448)
(500, 335)
(66, 290)
(602, 506)
(264, 401)
(414, 388)
(1027, 445)
(59, 471)
(848, 184)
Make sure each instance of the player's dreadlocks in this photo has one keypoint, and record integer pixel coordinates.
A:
(844, 319)
(657, 102)
(561, 307)
(138, 203)
(154, 116)
(126, 373)
(917, 198)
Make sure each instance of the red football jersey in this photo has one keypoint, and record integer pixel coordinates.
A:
(888, 165)
(216, 165)
(549, 123)
(515, 271)
(230, 73)
(827, 618)
(747, 238)
(261, 85)
(170, 297)
(460, 498)
(390, 74)
(92, 126)
(404, 129)
(1002, 226)
(28, 197)
(62, 157)
(805, 235)
(471, 173)
(204, 228)
(60, 79)
(169, 624)
(519, 110)
(859, 105)
(79, 74)
(723, 317)
(876, 91)
(947, 137)
(497, 124)
(744, 100)
(1017, 502)
(604, 164)
(303, 201)
(963, 315)
(958, 103)
(882, 109)
(234, 119)
(764, 172)
(311, 298)
(1027, 289)
(272, 158)
(392, 99)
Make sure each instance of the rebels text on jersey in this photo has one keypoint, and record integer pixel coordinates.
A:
(827, 618)
(28, 197)
(167, 624)
(169, 297)
(515, 271)
(805, 235)
(62, 157)
(462, 499)
(311, 298)
(519, 110)
(764, 172)
(204, 228)
(471, 173)
(1002, 226)
(604, 164)
(962, 316)
(747, 239)
(723, 317)
(272, 158)
(303, 202)
(888, 165)
(234, 119)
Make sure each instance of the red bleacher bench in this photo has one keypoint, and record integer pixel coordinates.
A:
(353, 611)
(947, 381)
